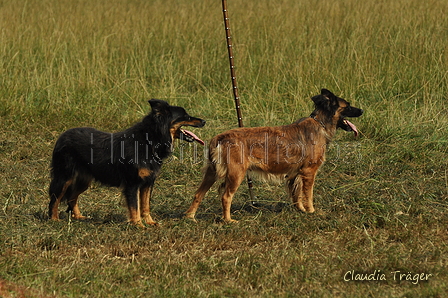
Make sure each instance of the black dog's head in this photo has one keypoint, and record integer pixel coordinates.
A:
(335, 109)
(177, 117)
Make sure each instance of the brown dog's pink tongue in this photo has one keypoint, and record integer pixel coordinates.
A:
(195, 137)
(352, 126)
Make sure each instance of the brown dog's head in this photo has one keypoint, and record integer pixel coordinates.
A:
(176, 117)
(334, 110)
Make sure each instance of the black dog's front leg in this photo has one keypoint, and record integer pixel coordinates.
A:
(130, 193)
(145, 204)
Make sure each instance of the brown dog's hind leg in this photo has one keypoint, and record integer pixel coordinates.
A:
(207, 182)
(308, 178)
(295, 192)
(232, 182)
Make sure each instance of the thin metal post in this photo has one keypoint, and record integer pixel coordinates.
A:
(233, 77)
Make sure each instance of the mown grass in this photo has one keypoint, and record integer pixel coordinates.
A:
(381, 199)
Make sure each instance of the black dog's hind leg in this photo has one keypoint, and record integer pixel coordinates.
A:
(130, 193)
(58, 189)
(81, 184)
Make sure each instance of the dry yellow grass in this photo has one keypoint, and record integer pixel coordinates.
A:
(382, 199)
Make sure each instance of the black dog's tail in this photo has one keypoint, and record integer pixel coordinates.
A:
(61, 167)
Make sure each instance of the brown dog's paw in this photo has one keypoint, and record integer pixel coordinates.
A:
(226, 220)
(190, 216)
(80, 217)
(152, 224)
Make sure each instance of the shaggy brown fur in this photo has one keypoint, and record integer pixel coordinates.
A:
(292, 152)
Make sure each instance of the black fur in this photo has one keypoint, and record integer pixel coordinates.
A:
(130, 159)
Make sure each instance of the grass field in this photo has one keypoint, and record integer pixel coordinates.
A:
(381, 199)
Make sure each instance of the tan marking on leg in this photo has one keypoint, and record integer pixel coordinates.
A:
(134, 217)
(55, 209)
(73, 203)
(145, 205)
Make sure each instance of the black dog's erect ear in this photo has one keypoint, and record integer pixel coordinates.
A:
(158, 105)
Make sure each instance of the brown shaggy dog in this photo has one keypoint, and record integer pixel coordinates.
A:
(292, 152)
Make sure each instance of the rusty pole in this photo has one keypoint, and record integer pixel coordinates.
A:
(233, 77)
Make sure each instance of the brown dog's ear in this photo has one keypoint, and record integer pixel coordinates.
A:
(326, 100)
(319, 100)
(158, 106)
(327, 93)
(333, 99)
(322, 99)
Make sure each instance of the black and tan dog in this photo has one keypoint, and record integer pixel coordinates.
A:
(292, 152)
(130, 159)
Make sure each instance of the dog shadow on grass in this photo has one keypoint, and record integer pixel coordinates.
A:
(94, 218)
(164, 214)
(214, 213)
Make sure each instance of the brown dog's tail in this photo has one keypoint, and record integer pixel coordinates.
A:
(216, 159)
